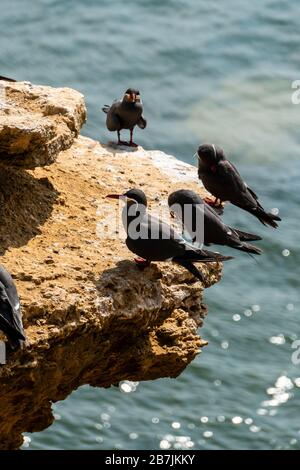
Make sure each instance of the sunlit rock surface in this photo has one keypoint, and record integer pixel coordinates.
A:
(37, 122)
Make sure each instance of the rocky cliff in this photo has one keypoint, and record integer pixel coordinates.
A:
(91, 316)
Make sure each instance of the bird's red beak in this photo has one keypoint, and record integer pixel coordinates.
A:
(114, 196)
(133, 97)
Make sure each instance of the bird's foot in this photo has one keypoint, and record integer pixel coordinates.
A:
(213, 202)
(123, 142)
(127, 144)
(141, 262)
(210, 201)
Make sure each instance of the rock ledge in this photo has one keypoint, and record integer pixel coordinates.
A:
(91, 316)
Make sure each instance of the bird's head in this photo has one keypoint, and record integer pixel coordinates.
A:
(210, 154)
(132, 96)
(184, 196)
(181, 201)
(133, 196)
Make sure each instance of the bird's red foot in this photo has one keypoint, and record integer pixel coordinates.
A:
(213, 202)
(141, 262)
(132, 144)
(210, 201)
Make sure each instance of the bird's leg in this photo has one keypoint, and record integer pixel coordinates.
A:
(119, 138)
(131, 143)
(121, 142)
(142, 263)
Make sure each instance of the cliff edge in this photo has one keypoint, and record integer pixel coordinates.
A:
(91, 315)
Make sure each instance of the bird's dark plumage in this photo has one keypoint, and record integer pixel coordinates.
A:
(10, 310)
(125, 114)
(199, 218)
(221, 178)
(153, 240)
(6, 79)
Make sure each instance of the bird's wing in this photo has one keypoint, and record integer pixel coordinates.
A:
(249, 189)
(252, 193)
(165, 230)
(10, 311)
(113, 121)
(155, 240)
(236, 185)
(216, 231)
(232, 175)
(142, 123)
(10, 318)
(115, 105)
(211, 213)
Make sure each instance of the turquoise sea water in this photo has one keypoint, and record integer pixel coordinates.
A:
(208, 71)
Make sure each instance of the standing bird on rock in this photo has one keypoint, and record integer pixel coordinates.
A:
(125, 114)
(153, 240)
(204, 225)
(223, 181)
(10, 311)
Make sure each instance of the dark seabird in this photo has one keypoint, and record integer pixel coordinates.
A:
(10, 311)
(5, 79)
(206, 226)
(223, 181)
(125, 114)
(154, 240)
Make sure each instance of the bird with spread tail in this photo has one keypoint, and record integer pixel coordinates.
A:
(202, 225)
(151, 239)
(221, 178)
(125, 113)
(10, 311)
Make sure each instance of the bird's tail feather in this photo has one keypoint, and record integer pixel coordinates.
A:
(247, 248)
(6, 79)
(204, 256)
(247, 237)
(106, 108)
(266, 218)
(253, 257)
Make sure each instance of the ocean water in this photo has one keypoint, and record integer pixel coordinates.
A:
(208, 71)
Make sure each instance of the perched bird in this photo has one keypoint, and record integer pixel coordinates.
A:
(203, 224)
(153, 240)
(125, 114)
(7, 79)
(223, 181)
(10, 311)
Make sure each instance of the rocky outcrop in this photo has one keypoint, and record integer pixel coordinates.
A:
(37, 122)
(91, 316)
